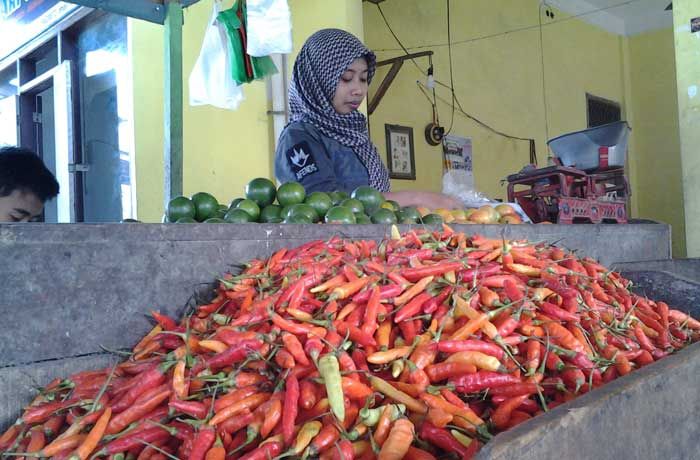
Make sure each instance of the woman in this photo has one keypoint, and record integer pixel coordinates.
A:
(326, 145)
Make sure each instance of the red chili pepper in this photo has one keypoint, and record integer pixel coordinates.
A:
(147, 402)
(355, 334)
(234, 354)
(233, 424)
(166, 322)
(202, 442)
(370, 324)
(558, 313)
(386, 291)
(42, 412)
(343, 451)
(415, 274)
(264, 452)
(412, 308)
(471, 383)
(194, 408)
(643, 340)
(573, 378)
(443, 439)
(307, 394)
(517, 389)
(442, 371)
(501, 415)
(134, 440)
(432, 304)
(290, 409)
(293, 345)
(408, 330)
(455, 346)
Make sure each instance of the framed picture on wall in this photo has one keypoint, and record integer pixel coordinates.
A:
(401, 160)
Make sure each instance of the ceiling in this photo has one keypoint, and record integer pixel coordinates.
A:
(623, 17)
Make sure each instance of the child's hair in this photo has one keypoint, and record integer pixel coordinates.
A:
(21, 169)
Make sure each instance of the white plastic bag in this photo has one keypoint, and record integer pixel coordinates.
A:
(210, 81)
(269, 27)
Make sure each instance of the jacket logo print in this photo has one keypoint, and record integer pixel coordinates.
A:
(299, 158)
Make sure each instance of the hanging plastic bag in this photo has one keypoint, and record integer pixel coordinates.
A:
(210, 81)
(244, 68)
(269, 27)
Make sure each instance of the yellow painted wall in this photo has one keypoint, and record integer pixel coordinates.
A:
(497, 79)
(223, 149)
(688, 84)
(657, 185)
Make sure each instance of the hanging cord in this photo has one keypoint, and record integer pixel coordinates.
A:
(455, 100)
(544, 77)
(452, 83)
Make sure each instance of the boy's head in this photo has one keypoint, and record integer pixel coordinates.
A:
(25, 185)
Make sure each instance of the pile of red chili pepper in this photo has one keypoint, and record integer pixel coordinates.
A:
(416, 347)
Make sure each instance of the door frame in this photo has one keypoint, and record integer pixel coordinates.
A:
(60, 78)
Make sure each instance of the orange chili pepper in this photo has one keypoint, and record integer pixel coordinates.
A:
(95, 435)
(248, 403)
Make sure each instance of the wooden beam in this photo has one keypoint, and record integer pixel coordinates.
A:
(404, 57)
(396, 64)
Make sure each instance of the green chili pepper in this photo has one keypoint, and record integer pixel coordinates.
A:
(329, 369)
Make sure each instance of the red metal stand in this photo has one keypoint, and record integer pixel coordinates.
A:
(566, 195)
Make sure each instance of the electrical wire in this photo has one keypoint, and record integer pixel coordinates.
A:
(544, 75)
(519, 29)
(452, 83)
(450, 87)
(472, 117)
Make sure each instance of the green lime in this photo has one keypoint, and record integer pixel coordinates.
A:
(304, 209)
(180, 207)
(185, 220)
(340, 215)
(370, 198)
(320, 201)
(270, 213)
(432, 219)
(275, 220)
(291, 193)
(261, 190)
(383, 216)
(297, 219)
(362, 218)
(338, 196)
(214, 220)
(284, 213)
(391, 205)
(251, 207)
(205, 206)
(408, 213)
(237, 216)
(235, 202)
(353, 204)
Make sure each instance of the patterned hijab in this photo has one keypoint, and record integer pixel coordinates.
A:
(317, 70)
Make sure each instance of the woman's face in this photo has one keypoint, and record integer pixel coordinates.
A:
(352, 87)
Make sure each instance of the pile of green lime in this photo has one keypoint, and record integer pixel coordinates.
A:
(265, 203)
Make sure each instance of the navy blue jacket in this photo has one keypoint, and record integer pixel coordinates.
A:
(318, 162)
